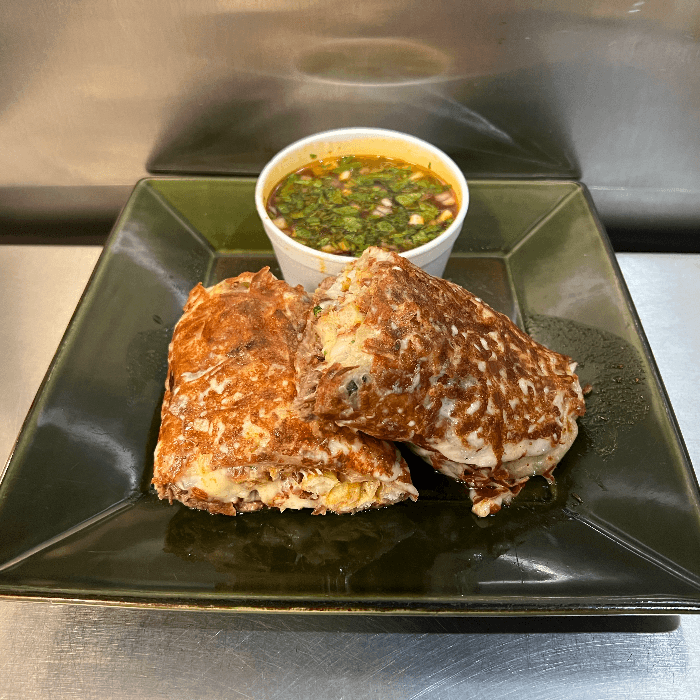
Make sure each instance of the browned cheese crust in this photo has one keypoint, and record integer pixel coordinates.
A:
(437, 367)
(230, 439)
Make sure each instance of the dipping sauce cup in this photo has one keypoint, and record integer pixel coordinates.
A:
(307, 266)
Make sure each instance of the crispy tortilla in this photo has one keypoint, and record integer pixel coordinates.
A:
(401, 355)
(231, 440)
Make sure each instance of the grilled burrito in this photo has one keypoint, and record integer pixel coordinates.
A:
(230, 438)
(398, 354)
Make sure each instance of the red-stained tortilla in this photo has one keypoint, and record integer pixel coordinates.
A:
(404, 356)
(231, 440)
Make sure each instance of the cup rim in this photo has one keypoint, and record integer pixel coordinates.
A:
(361, 131)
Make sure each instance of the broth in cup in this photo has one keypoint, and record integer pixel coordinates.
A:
(347, 204)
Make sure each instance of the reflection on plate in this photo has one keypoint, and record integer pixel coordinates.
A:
(295, 547)
(619, 531)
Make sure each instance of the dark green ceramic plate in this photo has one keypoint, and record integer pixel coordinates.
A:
(619, 532)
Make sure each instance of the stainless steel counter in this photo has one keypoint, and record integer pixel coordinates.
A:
(49, 650)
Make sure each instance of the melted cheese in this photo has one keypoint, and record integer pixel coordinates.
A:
(316, 490)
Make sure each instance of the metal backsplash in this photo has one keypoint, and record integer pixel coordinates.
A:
(95, 94)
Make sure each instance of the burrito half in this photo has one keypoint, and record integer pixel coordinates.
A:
(401, 355)
(230, 439)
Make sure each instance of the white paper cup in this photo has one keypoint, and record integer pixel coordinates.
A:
(309, 267)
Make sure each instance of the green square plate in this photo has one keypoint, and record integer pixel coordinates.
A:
(620, 531)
